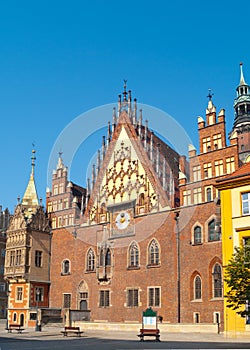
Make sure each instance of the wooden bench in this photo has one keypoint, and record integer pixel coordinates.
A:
(155, 332)
(75, 330)
(15, 327)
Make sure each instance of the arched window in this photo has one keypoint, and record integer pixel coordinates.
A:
(217, 281)
(65, 267)
(154, 257)
(102, 258)
(197, 287)
(213, 234)
(133, 255)
(209, 194)
(141, 199)
(108, 258)
(197, 235)
(91, 260)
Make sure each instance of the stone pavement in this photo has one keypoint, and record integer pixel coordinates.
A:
(54, 332)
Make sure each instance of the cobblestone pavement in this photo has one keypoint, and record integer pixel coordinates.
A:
(51, 338)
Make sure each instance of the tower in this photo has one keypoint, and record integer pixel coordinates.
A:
(27, 262)
(241, 126)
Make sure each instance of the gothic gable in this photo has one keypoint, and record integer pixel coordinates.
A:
(126, 175)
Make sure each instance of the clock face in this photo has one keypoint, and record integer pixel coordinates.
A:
(122, 220)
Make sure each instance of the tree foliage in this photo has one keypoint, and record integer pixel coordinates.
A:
(237, 277)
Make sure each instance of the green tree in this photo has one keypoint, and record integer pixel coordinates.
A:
(237, 277)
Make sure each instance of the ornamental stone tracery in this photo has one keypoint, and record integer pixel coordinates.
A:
(124, 180)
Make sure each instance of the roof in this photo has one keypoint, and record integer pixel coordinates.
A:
(239, 176)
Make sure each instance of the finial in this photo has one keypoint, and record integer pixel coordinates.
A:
(210, 94)
(242, 80)
(33, 158)
(125, 92)
(60, 154)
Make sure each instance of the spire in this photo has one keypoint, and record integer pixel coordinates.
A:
(125, 92)
(30, 198)
(60, 164)
(242, 80)
(210, 107)
(242, 102)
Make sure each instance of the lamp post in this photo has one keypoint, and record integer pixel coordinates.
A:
(177, 213)
(38, 327)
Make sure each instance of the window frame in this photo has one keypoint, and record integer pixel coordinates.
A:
(247, 201)
(154, 253)
(104, 298)
(154, 296)
(132, 297)
(197, 288)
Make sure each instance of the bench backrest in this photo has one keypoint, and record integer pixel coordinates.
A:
(67, 328)
(149, 330)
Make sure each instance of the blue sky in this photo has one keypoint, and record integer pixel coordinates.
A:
(59, 59)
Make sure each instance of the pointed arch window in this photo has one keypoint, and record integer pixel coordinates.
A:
(65, 267)
(153, 253)
(197, 235)
(213, 234)
(141, 199)
(102, 258)
(108, 258)
(133, 255)
(197, 287)
(91, 260)
(217, 281)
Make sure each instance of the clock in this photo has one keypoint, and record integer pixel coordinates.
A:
(122, 220)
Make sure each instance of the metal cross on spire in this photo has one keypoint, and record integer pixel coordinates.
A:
(125, 92)
(33, 158)
(210, 94)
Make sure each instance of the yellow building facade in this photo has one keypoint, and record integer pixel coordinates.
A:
(235, 221)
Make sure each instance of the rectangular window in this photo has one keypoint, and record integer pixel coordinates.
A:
(132, 297)
(59, 221)
(49, 207)
(2, 287)
(83, 295)
(55, 192)
(66, 301)
(66, 203)
(71, 219)
(60, 204)
(207, 167)
(245, 197)
(154, 296)
(206, 144)
(197, 195)
(19, 293)
(217, 141)
(187, 197)
(18, 257)
(197, 173)
(55, 206)
(230, 165)
(61, 188)
(53, 222)
(104, 300)
(12, 258)
(218, 167)
(38, 258)
(66, 220)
